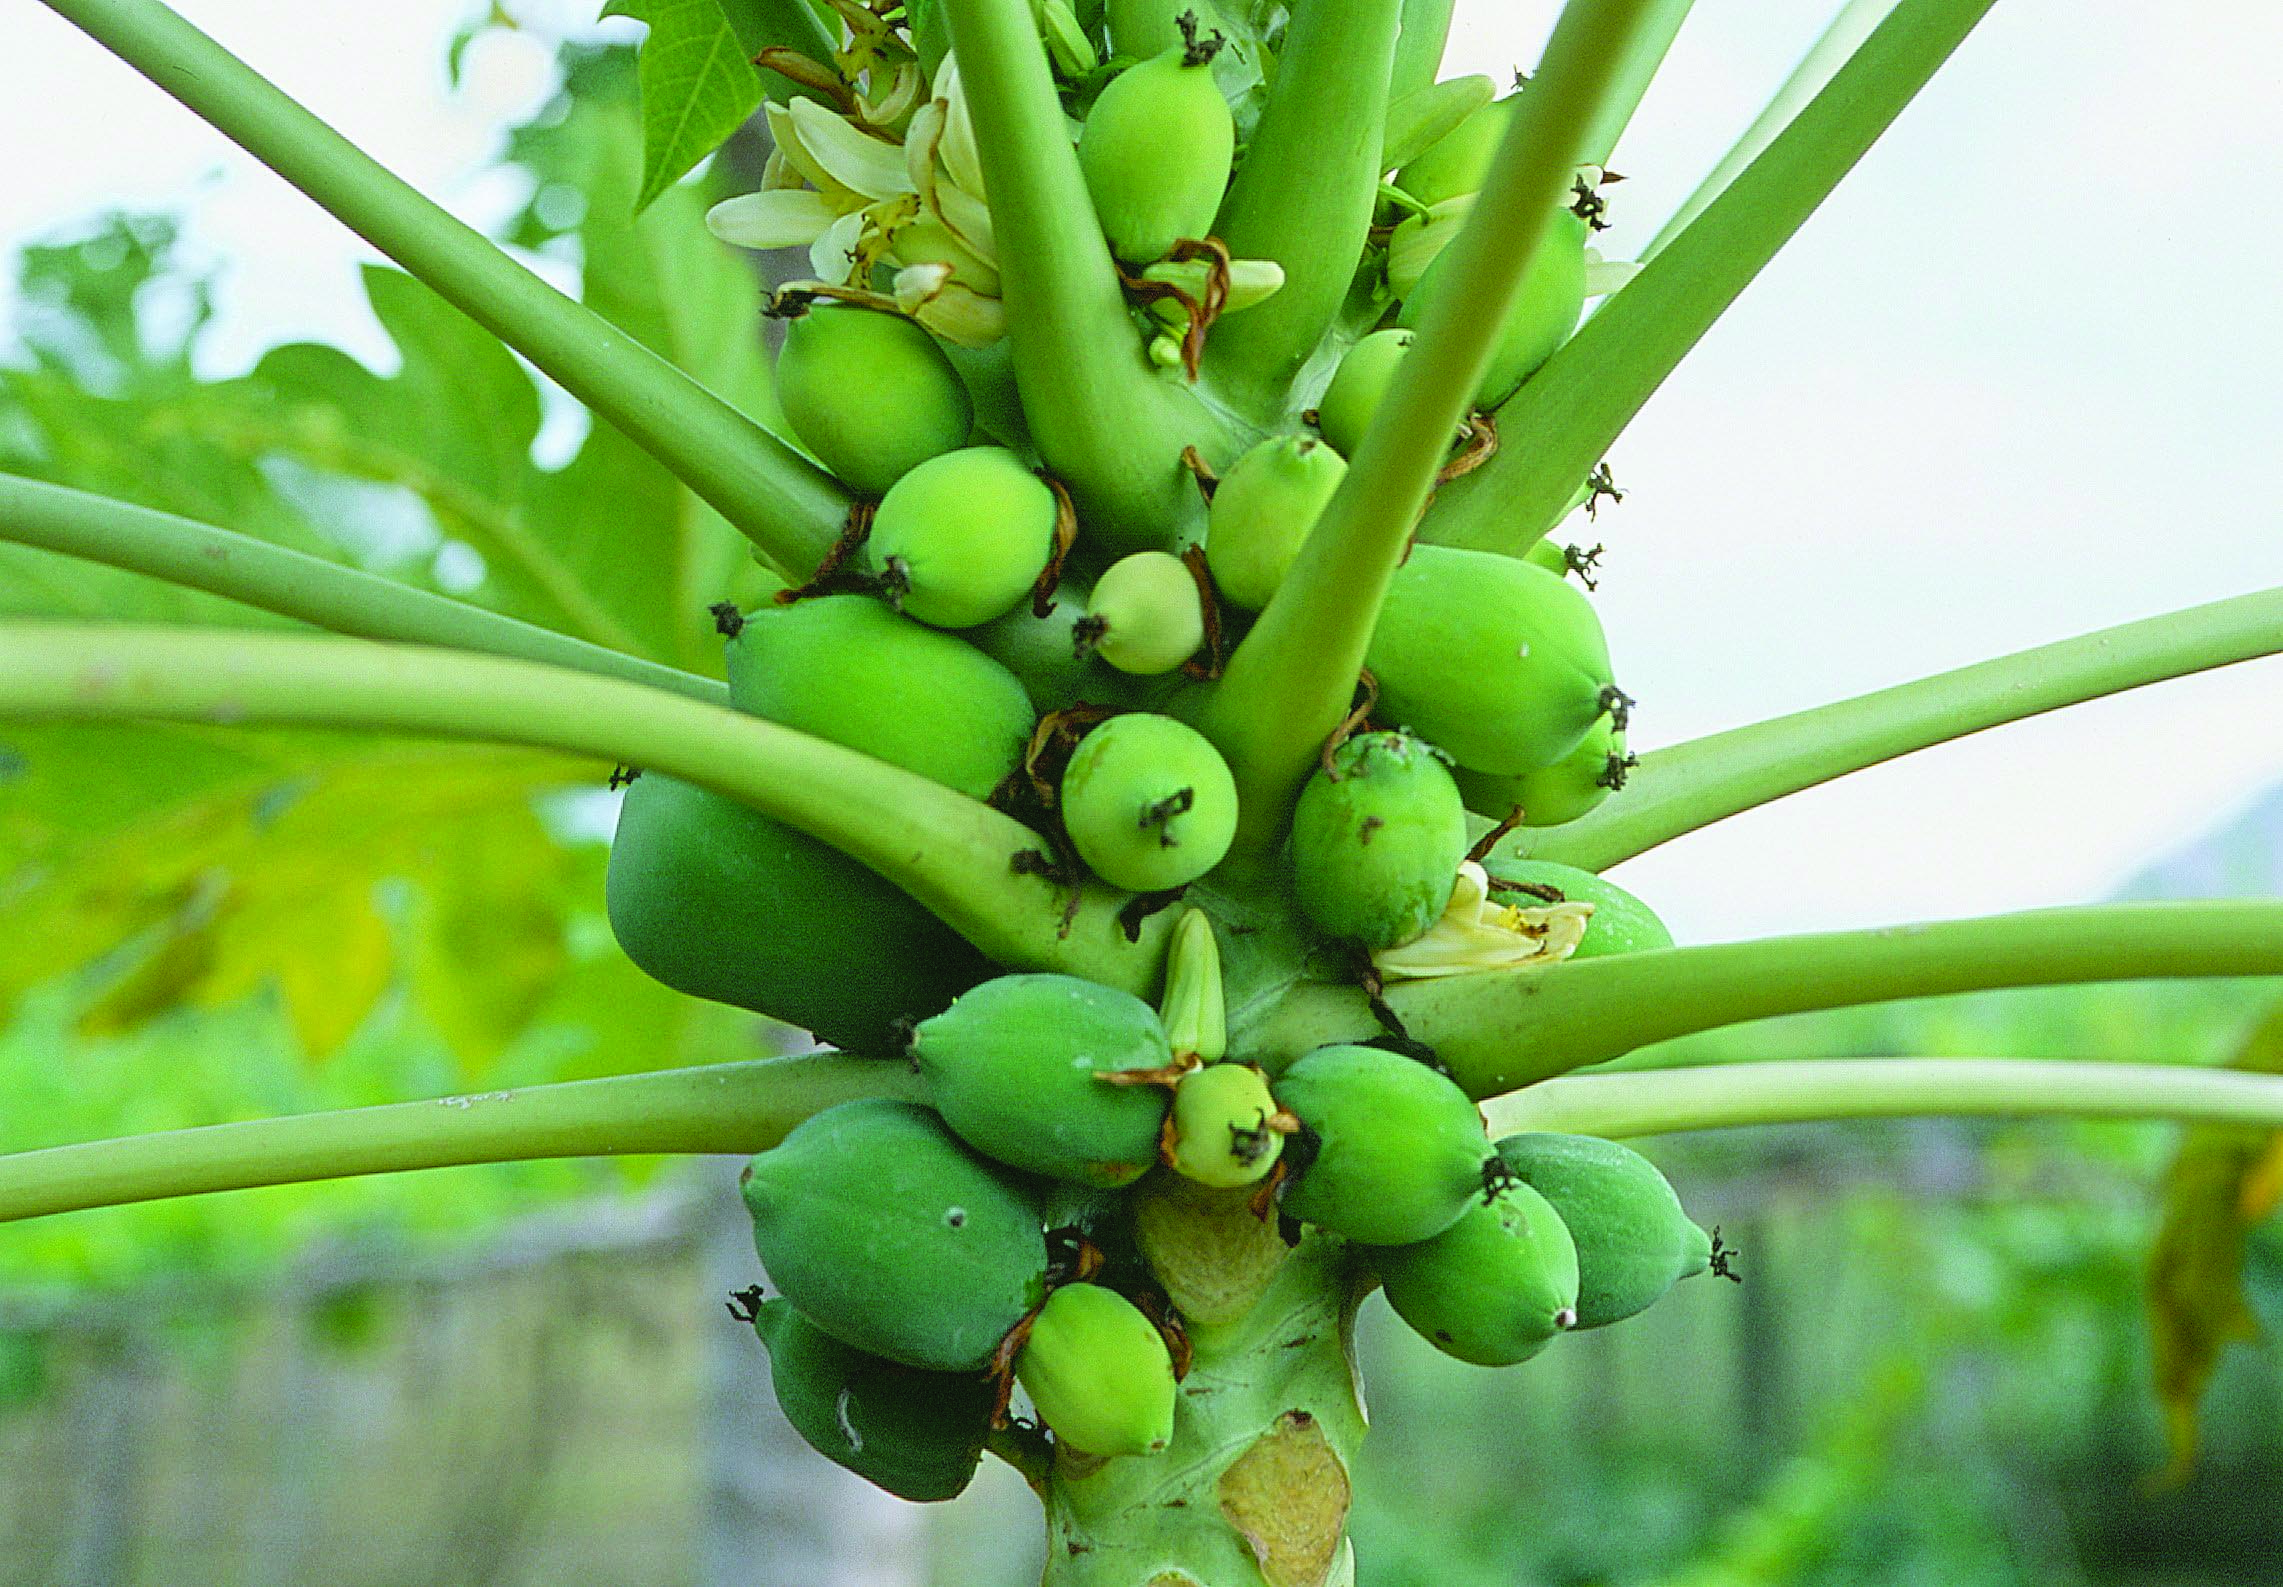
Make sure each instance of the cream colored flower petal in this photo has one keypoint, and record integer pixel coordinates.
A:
(833, 255)
(785, 133)
(850, 156)
(928, 294)
(1604, 276)
(959, 156)
(786, 217)
(1477, 934)
(1250, 280)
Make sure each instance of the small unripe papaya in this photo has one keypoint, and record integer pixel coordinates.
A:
(1621, 923)
(717, 900)
(917, 1434)
(1547, 303)
(1554, 794)
(870, 393)
(961, 538)
(1142, 28)
(1500, 664)
(1633, 1240)
(1457, 162)
(1012, 1066)
(1098, 1373)
(1262, 511)
(1156, 150)
(1358, 387)
(888, 1233)
(1495, 1286)
(1045, 655)
(1221, 1133)
(1146, 615)
(845, 668)
(1393, 1151)
(1148, 802)
(1376, 842)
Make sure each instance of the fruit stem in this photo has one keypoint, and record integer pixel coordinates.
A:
(1642, 60)
(1290, 682)
(291, 583)
(955, 855)
(786, 505)
(1502, 1029)
(1103, 421)
(1304, 194)
(1690, 786)
(1585, 395)
(1797, 1091)
(731, 1107)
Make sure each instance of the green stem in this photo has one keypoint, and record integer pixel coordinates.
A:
(1419, 44)
(1501, 1029)
(733, 1107)
(1574, 407)
(1838, 43)
(1290, 682)
(1721, 1096)
(785, 504)
(293, 584)
(1689, 786)
(1305, 192)
(1108, 424)
(951, 853)
(1637, 71)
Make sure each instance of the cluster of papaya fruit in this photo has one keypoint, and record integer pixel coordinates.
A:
(1023, 1224)
(1013, 1227)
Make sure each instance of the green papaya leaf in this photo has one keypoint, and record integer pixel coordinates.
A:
(698, 84)
(2223, 1183)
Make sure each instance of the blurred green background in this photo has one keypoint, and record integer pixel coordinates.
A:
(1937, 1369)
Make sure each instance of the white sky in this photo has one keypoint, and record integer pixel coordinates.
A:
(2022, 376)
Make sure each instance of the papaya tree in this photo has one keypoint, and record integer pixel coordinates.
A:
(1151, 703)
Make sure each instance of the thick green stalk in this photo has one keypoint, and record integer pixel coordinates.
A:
(1574, 407)
(1304, 194)
(1637, 72)
(785, 504)
(951, 853)
(1289, 683)
(1424, 33)
(1832, 50)
(291, 583)
(733, 1107)
(1798, 1091)
(1501, 1029)
(1108, 424)
(1689, 786)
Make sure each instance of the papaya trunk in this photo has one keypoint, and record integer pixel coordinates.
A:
(1254, 1490)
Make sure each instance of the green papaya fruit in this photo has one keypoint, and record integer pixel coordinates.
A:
(845, 668)
(1148, 802)
(1495, 1286)
(870, 393)
(1633, 1240)
(1098, 1373)
(1377, 841)
(1621, 923)
(888, 1233)
(1221, 1133)
(1428, 114)
(1546, 553)
(916, 1433)
(1391, 1152)
(1499, 664)
(1013, 1067)
(1262, 511)
(1146, 615)
(1554, 794)
(1143, 28)
(1457, 162)
(1547, 304)
(1358, 387)
(1045, 654)
(717, 900)
(1156, 150)
(961, 538)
